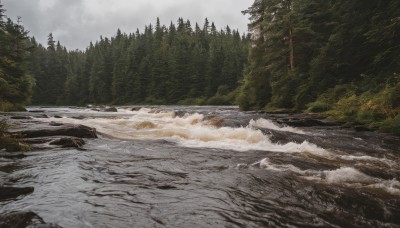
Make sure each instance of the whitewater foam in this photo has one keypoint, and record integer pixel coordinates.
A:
(264, 123)
(347, 176)
(192, 130)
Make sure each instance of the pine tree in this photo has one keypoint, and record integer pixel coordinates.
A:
(15, 84)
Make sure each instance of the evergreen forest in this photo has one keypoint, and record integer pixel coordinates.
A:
(340, 58)
(178, 64)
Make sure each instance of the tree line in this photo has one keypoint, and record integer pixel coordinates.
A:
(180, 63)
(339, 57)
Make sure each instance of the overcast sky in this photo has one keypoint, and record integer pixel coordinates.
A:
(77, 22)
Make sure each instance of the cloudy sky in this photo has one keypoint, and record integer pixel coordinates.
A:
(77, 22)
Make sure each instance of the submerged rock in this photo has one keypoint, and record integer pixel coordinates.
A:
(14, 192)
(21, 117)
(42, 116)
(112, 109)
(55, 124)
(136, 109)
(79, 117)
(23, 219)
(69, 142)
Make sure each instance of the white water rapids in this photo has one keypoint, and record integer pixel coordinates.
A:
(192, 130)
(196, 131)
(178, 166)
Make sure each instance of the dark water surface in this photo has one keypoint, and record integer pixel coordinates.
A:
(208, 167)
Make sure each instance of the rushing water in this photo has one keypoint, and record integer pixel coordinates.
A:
(208, 167)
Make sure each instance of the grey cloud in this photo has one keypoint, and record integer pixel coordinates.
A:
(77, 22)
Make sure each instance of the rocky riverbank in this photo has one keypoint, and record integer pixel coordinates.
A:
(26, 135)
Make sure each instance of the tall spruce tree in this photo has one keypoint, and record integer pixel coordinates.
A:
(15, 84)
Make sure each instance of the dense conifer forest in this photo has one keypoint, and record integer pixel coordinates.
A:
(338, 57)
(341, 58)
(180, 63)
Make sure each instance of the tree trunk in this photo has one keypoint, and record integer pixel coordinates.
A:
(292, 66)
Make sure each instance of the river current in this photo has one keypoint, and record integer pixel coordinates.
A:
(172, 166)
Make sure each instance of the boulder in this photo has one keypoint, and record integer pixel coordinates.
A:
(42, 116)
(23, 219)
(111, 109)
(136, 109)
(55, 124)
(21, 117)
(79, 131)
(79, 117)
(14, 192)
(69, 142)
(36, 140)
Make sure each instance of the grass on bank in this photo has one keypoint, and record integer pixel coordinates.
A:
(10, 142)
(376, 109)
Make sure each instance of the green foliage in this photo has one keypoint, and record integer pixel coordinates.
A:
(392, 125)
(8, 141)
(218, 100)
(15, 83)
(379, 109)
(162, 65)
(193, 101)
(318, 106)
(338, 57)
(3, 125)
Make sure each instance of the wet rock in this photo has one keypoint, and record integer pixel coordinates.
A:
(36, 140)
(307, 121)
(214, 121)
(362, 128)
(79, 131)
(166, 187)
(69, 142)
(21, 117)
(112, 109)
(79, 117)
(36, 111)
(281, 111)
(43, 116)
(136, 109)
(55, 124)
(282, 137)
(23, 219)
(180, 113)
(14, 192)
(12, 155)
(57, 117)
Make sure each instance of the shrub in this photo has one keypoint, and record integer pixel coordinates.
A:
(218, 100)
(193, 101)
(318, 106)
(392, 125)
(9, 142)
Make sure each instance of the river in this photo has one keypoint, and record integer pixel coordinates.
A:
(171, 166)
